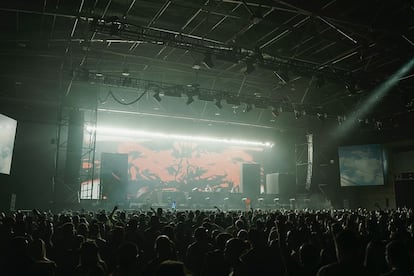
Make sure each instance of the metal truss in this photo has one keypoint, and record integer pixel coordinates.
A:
(114, 27)
(304, 163)
(68, 192)
(178, 90)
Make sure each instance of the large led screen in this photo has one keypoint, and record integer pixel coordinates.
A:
(362, 165)
(7, 135)
(179, 163)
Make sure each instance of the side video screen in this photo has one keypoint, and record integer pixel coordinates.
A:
(362, 165)
(7, 134)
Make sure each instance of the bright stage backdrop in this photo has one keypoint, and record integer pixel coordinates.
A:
(178, 163)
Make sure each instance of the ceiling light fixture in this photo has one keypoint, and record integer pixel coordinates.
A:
(196, 65)
(321, 116)
(125, 72)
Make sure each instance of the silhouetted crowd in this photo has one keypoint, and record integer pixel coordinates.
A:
(166, 242)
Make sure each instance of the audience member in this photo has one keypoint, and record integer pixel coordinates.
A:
(205, 242)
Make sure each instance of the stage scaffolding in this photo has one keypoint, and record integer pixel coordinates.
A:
(304, 154)
(75, 149)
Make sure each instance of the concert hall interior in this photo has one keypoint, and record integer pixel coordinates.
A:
(206, 104)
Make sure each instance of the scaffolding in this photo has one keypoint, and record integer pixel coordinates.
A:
(304, 164)
(67, 182)
(88, 179)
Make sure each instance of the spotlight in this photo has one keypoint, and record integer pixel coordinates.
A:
(208, 60)
(125, 72)
(218, 104)
(378, 125)
(196, 66)
(189, 100)
(341, 119)
(321, 116)
(351, 89)
(157, 96)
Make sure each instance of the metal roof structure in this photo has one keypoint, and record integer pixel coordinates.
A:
(251, 62)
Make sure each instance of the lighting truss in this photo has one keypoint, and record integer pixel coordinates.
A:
(203, 94)
(156, 88)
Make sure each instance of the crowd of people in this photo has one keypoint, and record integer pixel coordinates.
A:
(208, 242)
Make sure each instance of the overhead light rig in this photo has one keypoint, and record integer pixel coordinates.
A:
(247, 102)
(210, 47)
(158, 89)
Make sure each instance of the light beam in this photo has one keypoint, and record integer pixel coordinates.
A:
(374, 98)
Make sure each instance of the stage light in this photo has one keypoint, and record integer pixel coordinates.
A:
(375, 97)
(322, 116)
(125, 72)
(196, 65)
(157, 96)
(378, 125)
(340, 119)
(119, 132)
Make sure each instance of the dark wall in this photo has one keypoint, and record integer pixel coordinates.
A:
(403, 160)
(33, 159)
(400, 158)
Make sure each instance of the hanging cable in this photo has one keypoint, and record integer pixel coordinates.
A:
(129, 103)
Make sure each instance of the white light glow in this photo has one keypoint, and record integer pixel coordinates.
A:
(104, 130)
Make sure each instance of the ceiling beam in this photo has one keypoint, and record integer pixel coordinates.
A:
(153, 20)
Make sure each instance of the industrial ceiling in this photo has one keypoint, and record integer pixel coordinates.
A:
(264, 63)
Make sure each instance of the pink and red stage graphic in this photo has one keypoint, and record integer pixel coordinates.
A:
(173, 165)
